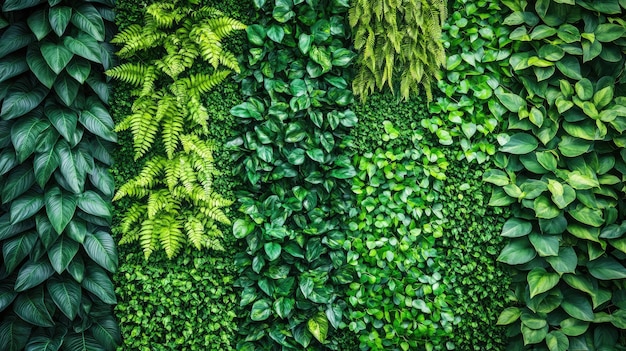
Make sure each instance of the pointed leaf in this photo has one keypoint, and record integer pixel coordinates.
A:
(517, 251)
(14, 333)
(516, 227)
(40, 67)
(62, 252)
(98, 282)
(540, 281)
(30, 307)
(261, 310)
(12, 66)
(32, 274)
(84, 46)
(545, 244)
(19, 181)
(102, 179)
(520, 144)
(25, 207)
(16, 249)
(107, 333)
(39, 24)
(69, 167)
(22, 99)
(66, 294)
(60, 208)
(56, 56)
(63, 119)
(14, 5)
(577, 306)
(565, 262)
(44, 165)
(66, 88)
(88, 19)
(93, 204)
(318, 326)
(59, 17)
(98, 121)
(17, 36)
(606, 268)
(102, 249)
(24, 134)
(79, 69)
(44, 343)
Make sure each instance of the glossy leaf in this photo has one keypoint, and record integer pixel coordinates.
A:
(62, 252)
(102, 249)
(60, 208)
(66, 294)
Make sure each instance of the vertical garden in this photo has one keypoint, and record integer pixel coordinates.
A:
(312, 175)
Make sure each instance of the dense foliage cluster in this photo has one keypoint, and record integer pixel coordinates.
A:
(561, 170)
(399, 43)
(291, 157)
(55, 135)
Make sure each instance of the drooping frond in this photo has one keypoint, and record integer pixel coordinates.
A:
(195, 231)
(170, 234)
(132, 73)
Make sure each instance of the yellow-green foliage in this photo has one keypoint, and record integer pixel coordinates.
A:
(176, 202)
(399, 44)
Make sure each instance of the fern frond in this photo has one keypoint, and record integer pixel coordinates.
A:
(170, 235)
(216, 214)
(132, 216)
(129, 236)
(205, 12)
(223, 26)
(157, 201)
(165, 14)
(147, 237)
(132, 73)
(172, 128)
(198, 114)
(195, 231)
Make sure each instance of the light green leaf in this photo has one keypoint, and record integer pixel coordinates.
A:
(496, 177)
(586, 215)
(573, 326)
(516, 227)
(565, 262)
(545, 244)
(509, 315)
(557, 341)
(520, 143)
(609, 32)
(540, 281)
(544, 208)
(512, 102)
(318, 326)
(584, 89)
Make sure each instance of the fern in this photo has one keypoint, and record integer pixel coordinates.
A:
(399, 45)
(176, 202)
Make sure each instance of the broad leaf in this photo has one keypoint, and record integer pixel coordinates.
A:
(44, 165)
(22, 98)
(32, 274)
(19, 181)
(14, 5)
(14, 333)
(17, 36)
(24, 135)
(16, 249)
(11, 66)
(565, 262)
(107, 333)
(98, 282)
(88, 19)
(98, 121)
(606, 268)
(261, 310)
(517, 251)
(577, 306)
(62, 252)
(93, 204)
(40, 67)
(44, 343)
(63, 119)
(66, 88)
(318, 326)
(540, 281)
(25, 207)
(84, 46)
(509, 315)
(520, 143)
(56, 56)
(59, 17)
(60, 208)
(79, 69)
(66, 294)
(516, 227)
(69, 167)
(102, 249)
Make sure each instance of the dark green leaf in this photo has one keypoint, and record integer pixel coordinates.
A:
(11, 66)
(606, 268)
(60, 208)
(15, 250)
(56, 56)
(98, 121)
(19, 181)
(519, 144)
(63, 119)
(88, 19)
(17, 36)
(25, 207)
(21, 99)
(66, 294)
(261, 310)
(66, 88)
(577, 306)
(59, 17)
(102, 249)
(40, 67)
(62, 252)
(98, 282)
(24, 135)
(79, 69)
(517, 251)
(44, 165)
(32, 274)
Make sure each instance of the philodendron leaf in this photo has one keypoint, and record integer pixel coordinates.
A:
(606, 268)
(87, 18)
(577, 305)
(272, 250)
(98, 282)
(93, 204)
(261, 310)
(32, 274)
(318, 326)
(565, 262)
(520, 144)
(40, 67)
(107, 333)
(102, 249)
(66, 294)
(16, 249)
(509, 315)
(59, 17)
(62, 252)
(545, 244)
(20, 180)
(98, 121)
(24, 134)
(25, 207)
(21, 99)
(14, 333)
(516, 227)
(517, 251)
(31, 308)
(63, 119)
(557, 341)
(60, 207)
(544, 208)
(56, 55)
(44, 165)
(540, 281)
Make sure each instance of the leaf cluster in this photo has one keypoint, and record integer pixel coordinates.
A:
(180, 204)
(477, 47)
(292, 159)
(399, 45)
(561, 169)
(56, 132)
(399, 300)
